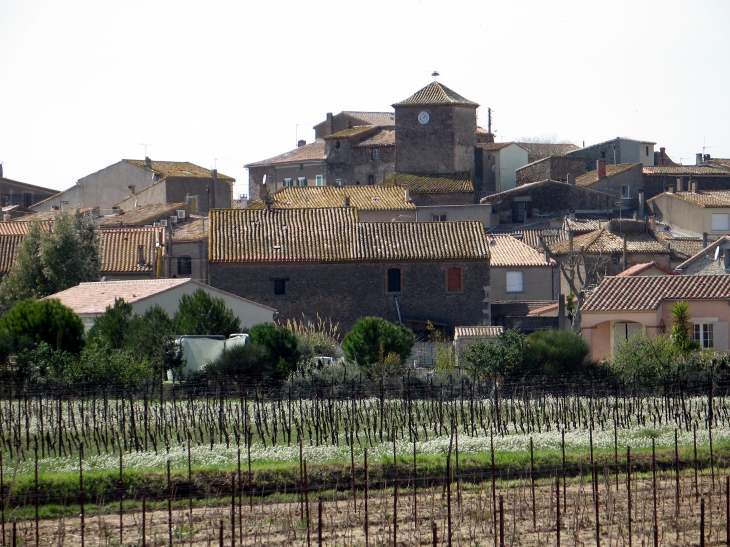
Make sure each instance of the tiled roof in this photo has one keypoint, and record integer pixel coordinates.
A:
(94, 298)
(707, 253)
(9, 245)
(506, 251)
(384, 137)
(704, 198)
(638, 269)
(494, 146)
(381, 119)
(525, 189)
(478, 331)
(21, 228)
(482, 131)
(517, 308)
(51, 215)
(725, 162)
(581, 226)
(616, 139)
(350, 132)
(436, 94)
(532, 237)
(119, 249)
(458, 183)
(684, 170)
(603, 241)
(646, 293)
(547, 148)
(193, 230)
(681, 248)
(591, 177)
(364, 198)
(308, 152)
(143, 214)
(178, 169)
(335, 235)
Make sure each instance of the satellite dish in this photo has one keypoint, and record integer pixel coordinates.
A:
(717, 253)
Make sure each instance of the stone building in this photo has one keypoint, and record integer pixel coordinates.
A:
(13, 192)
(618, 150)
(658, 179)
(309, 262)
(142, 182)
(623, 181)
(551, 168)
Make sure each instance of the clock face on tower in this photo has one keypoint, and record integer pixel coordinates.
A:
(423, 117)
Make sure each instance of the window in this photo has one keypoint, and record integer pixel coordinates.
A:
(288, 182)
(515, 282)
(703, 333)
(302, 181)
(720, 222)
(184, 265)
(376, 154)
(394, 280)
(279, 286)
(625, 192)
(371, 180)
(647, 150)
(615, 260)
(319, 180)
(454, 279)
(519, 209)
(27, 199)
(438, 218)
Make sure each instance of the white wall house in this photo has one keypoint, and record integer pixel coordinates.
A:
(508, 157)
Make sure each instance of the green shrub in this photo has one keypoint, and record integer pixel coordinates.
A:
(496, 359)
(281, 343)
(31, 322)
(374, 337)
(247, 362)
(556, 352)
(200, 313)
(648, 360)
(99, 364)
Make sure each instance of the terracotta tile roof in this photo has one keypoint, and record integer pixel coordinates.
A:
(385, 137)
(9, 245)
(458, 183)
(547, 148)
(350, 132)
(94, 298)
(706, 253)
(193, 230)
(435, 94)
(51, 215)
(506, 251)
(335, 235)
(494, 146)
(381, 119)
(603, 241)
(709, 198)
(581, 226)
(531, 237)
(680, 248)
(363, 198)
(478, 331)
(21, 228)
(684, 170)
(309, 152)
(638, 269)
(119, 248)
(646, 293)
(178, 169)
(143, 214)
(482, 131)
(724, 162)
(591, 177)
(517, 308)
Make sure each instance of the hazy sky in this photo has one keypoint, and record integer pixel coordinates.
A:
(84, 82)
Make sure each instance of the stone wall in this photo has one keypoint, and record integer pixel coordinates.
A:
(353, 165)
(657, 184)
(551, 168)
(345, 292)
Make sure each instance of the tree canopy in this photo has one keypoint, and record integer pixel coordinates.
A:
(374, 337)
(31, 322)
(200, 313)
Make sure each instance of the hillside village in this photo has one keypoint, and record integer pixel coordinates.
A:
(421, 217)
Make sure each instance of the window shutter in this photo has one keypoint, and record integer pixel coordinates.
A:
(453, 279)
(720, 334)
(720, 222)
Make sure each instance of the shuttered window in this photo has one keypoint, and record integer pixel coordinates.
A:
(515, 282)
(453, 279)
(720, 222)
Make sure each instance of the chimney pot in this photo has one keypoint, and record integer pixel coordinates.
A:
(1, 169)
(707, 157)
(571, 178)
(680, 184)
(663, 153)
(6, 217)
(698, 160)
(347, 201)
(670, 189)
(704, 239)
(601, 169)
(407, 193)
(693, 185)
(571, 214)
(301, 143)
(147, 162)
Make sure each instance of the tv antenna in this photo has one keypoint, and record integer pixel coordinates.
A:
(145, 144)
(215, 162)
(296, 132)
(704, 146)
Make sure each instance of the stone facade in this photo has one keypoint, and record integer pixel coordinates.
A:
(348, 163)
(346, 292)
(618, 150)
(13, 192)
(551, 168)
(658, 184)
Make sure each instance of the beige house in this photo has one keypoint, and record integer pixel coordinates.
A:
(695, 211)
(90, 300)
(519, 272)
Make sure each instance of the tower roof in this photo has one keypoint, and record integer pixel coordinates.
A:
(436, 94)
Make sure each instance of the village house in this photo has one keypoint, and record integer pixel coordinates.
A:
(129, 183)
(519, 272)
(622, 306)
(623, 181)
(551, 168)
(615, 151)
(15, 193)
(659, 179)
(694, 210)
(714, 259)
(310, 262)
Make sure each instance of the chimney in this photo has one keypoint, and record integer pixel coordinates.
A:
(301, 142)
(706, 157)
(641, 204)
(347, 201)
(407, 195)
(651, 222)
(571, 215)
(693, 186)
(7, 218)
(601, 169)
(670, 189)
(704, 239)
(571, 178)
(698, 161)
(147, 162)
(329, 124)
(663, 153)
(1, 169)
(680, 184)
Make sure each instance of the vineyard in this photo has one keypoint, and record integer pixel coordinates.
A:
(445, 462)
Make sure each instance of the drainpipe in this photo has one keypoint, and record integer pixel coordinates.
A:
(397, 307)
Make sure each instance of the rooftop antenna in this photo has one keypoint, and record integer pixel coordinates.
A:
(704, 145)
(145, 144)
(215, 162)
(296, 132)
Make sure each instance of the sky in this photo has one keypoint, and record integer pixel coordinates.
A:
(222, 83)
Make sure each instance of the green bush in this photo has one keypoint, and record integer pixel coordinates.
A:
(648, 360)
(31, 322)
(556, 352)
(247, 362)
(371, 338)
(496, 359)
(99, 364)
(110, 328)
(200, 313)
(282, 344)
